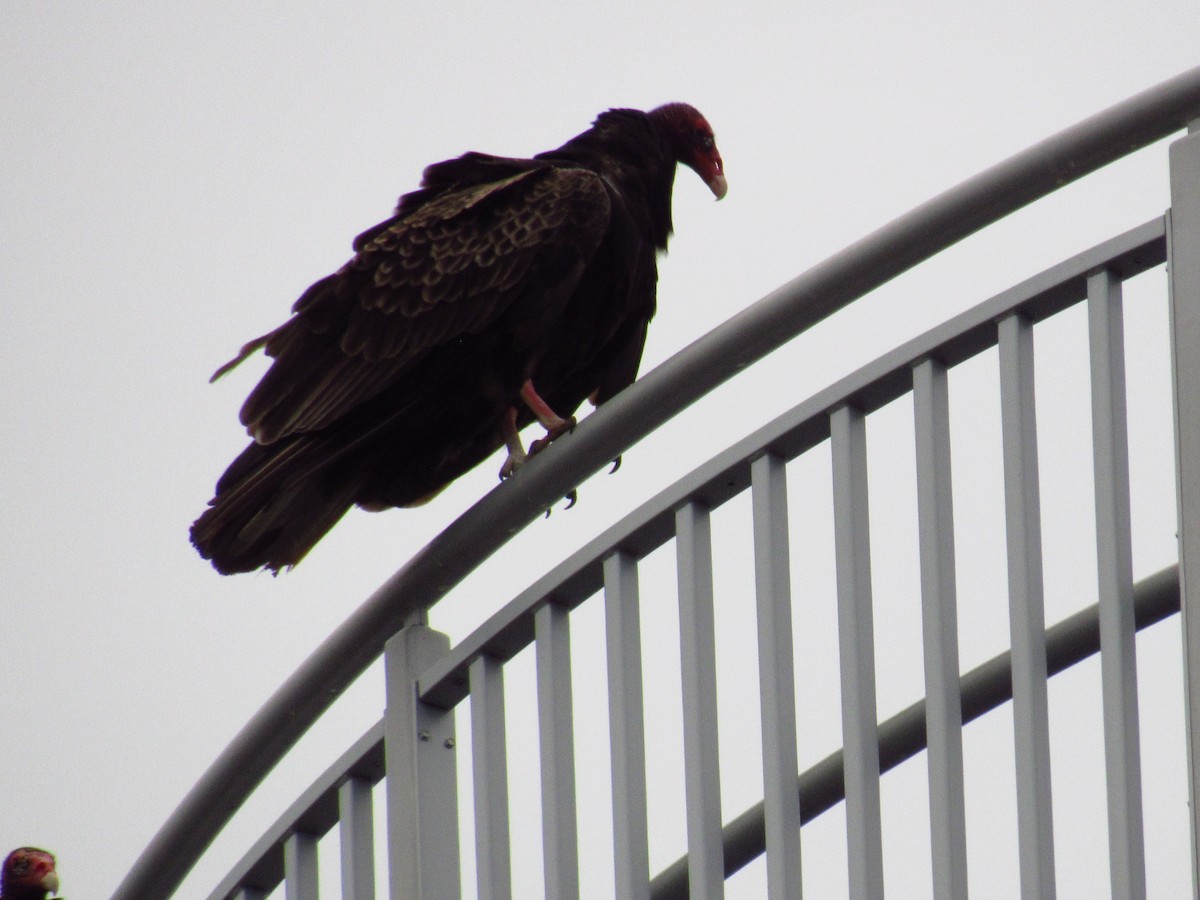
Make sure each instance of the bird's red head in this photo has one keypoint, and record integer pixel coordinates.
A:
(694, 144)
(28, 874)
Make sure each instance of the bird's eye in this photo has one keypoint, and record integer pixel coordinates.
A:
(705, 140)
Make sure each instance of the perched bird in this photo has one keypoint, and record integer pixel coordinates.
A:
(501, 291)
(28, 874)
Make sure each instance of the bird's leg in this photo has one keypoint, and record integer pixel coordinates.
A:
(555, 425)
(512, 439)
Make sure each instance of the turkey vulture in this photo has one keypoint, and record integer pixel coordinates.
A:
(28, 874)
(501, 291)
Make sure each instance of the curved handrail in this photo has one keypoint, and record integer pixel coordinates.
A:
(648, 403)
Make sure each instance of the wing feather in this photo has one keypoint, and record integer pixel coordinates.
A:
(504, 254)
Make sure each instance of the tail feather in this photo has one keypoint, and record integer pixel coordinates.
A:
(274, 511)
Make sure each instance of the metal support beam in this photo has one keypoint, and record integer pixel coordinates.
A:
(357, 838)
(422, 779)
(1027, 616)
(300, 867)
(698, 659)
(856, 636)
(560, 841)
(627, 728)
(1114, 556)
(1183, 251)
(776, 676)
(939, 614)
(489, 756)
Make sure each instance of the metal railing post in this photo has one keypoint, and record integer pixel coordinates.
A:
(1027, 617)
(698, 659)
(939, 617)
(300, 867)
(627, 727)
(493, 864)
(1114, 555)
(556, 724)
(856, 638)
(356, 809)
(776, 677)
(1183, 254)
(422, 780)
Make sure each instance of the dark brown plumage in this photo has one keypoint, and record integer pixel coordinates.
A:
(501, 291)
(28, 874)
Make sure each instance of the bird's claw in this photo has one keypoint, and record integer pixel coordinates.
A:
(518, 458)
(616, 464)
(552, 434)
(513, 462)
(572, 498)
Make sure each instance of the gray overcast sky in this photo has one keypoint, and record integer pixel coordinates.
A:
(173, 176)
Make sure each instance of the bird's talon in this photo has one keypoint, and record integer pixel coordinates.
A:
(511, 464)
(566, 426)
(616, 464)
(572, 498)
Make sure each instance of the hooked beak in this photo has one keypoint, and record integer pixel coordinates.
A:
(709, 166)
(50, 882)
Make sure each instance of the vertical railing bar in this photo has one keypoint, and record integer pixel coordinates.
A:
(357, 837)
(422, 774)
(1026, 609)
(300, 867)
(776, 675)
(698, 661)
(627, 727)
(1114, 556)
(248, 893)
(489, 760)
(856, 641)
(1183, 266)
(939, 606)
(560, 843)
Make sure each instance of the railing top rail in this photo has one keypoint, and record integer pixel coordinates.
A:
(651, 401)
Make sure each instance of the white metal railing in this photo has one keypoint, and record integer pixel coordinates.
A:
(415, 744)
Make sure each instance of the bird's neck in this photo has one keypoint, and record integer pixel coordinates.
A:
(636, 163)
